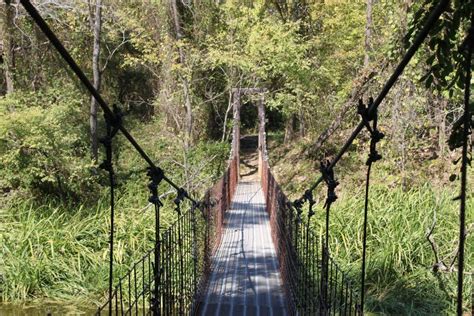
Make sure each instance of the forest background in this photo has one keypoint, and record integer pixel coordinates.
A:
(170, 67)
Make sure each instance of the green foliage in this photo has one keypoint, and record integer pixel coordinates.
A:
(50, 252)
(399, 255)
(338, 46)
(309, 57)
(446, 53)
(44, 145)
(265, 51)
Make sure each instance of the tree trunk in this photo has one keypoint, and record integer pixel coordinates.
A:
(442, 129)
(6, 39)
(182, 60)
(36, 58)
(226, 115)
(290, 129)
(301, 123)
(440, 106)
(368, 33)
(96, 77)
(398, 127)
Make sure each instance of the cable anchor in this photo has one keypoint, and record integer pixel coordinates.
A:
(179, 198)
(308, 196)
(155, 175)
(298, 205)
(328, 177)
(375, 135)
(106, 141)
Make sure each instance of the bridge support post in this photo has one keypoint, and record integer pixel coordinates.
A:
(235, 152)
(236, 95)
(261, 135)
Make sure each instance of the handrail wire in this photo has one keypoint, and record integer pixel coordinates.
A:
(467, 117)
(374, 156)
(107, 165)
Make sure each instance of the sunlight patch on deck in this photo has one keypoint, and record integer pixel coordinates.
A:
(245, 278)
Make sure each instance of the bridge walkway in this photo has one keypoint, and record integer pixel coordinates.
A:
(245, 278)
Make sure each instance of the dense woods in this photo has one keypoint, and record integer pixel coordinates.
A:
(170, 67)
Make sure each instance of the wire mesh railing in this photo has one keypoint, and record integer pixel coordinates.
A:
(186, 248)
(133, 291)
(181, 263)
(314, 283)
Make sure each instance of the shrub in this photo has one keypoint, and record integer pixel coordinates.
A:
(44, 144)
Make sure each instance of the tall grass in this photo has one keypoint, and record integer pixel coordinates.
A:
(56, 250)
(50, 252)
(400, 279)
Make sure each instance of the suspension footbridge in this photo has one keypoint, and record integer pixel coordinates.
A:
(245, 248)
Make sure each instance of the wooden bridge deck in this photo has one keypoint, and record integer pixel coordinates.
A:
(245, 278)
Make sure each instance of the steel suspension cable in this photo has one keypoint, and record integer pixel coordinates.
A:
(430, 22)
(41, 23)
(177, 201)
(108, 166)
(324, 266)
(155, 180)
(364, 240)
(329, 179)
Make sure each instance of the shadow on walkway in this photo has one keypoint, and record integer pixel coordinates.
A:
(249, 158)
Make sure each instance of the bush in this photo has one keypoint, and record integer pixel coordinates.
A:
(44, 144)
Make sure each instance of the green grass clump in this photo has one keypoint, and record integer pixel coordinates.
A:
(400, 278)
(49, 252)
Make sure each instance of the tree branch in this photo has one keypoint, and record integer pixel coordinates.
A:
(439, 265)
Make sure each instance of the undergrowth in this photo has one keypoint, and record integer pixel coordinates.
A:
(58, 251)
(400, 260)
(400, 278)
